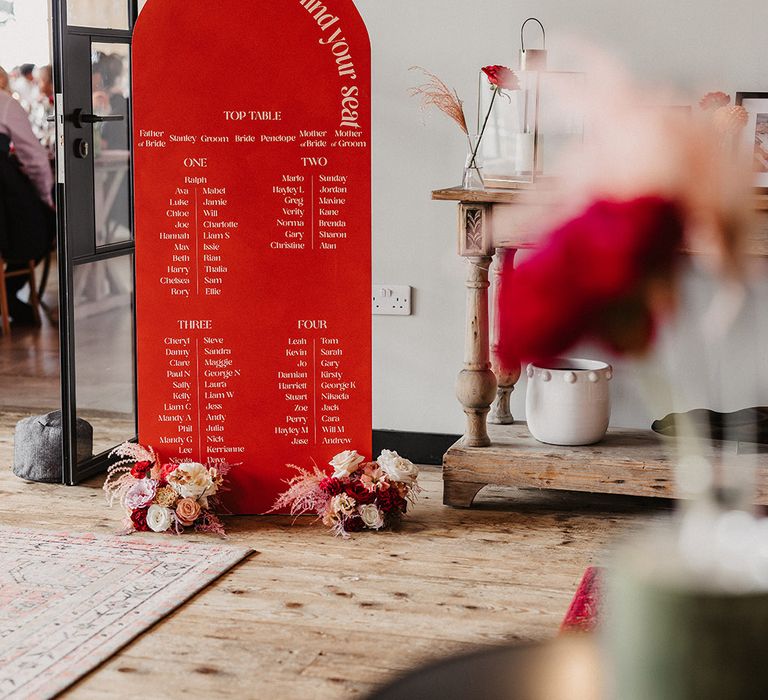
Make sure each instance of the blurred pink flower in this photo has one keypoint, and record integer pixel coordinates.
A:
(713, 100)
(730, 120)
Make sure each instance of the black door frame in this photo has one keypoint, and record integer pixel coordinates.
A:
(72, 75)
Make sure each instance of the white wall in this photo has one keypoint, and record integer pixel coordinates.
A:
(700, 45)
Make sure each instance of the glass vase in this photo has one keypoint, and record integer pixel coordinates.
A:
(473, 177)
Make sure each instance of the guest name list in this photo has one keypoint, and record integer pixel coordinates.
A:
(253, 239)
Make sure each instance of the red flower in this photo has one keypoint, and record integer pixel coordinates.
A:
(390, 501)
(502, 77)
(139, 519)
(354, 524)
(332, 486)
(167, 469)
(597, 275)
(357, 490)
(140, 469)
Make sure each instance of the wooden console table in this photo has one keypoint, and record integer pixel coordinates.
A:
(632, 462)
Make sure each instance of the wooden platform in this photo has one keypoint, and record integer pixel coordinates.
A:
(627, 462)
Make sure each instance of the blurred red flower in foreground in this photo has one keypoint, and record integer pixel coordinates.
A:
(604, 275)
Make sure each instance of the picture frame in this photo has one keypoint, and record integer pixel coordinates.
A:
(756, 133)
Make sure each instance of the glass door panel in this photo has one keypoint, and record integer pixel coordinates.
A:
(107, 14)
(110, 101)
(104, 349)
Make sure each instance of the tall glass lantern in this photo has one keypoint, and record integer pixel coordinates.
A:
(530, 127)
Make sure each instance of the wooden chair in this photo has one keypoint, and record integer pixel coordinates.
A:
(34, 298)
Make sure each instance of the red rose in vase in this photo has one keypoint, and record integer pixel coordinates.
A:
(501, 77)
(139, 520)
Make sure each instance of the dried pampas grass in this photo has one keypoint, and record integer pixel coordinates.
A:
(304, 494)
(435, 93)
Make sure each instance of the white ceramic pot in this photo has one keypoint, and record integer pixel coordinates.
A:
(569, 401)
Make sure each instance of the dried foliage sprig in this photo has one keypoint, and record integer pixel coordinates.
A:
(303, 495)
(435, 93)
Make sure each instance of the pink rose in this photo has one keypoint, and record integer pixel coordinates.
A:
(140, 494)
(188, 510)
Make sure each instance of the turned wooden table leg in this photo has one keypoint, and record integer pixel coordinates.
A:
(506, 377)
(476, 385)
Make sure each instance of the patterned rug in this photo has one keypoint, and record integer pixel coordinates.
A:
(68, 602)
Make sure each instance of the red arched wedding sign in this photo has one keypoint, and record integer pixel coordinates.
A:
(252, 191)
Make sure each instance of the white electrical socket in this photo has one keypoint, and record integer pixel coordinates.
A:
(391, 299)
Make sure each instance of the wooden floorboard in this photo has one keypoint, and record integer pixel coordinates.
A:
(312, 616)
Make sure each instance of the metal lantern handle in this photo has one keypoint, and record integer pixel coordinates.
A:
(522, 33)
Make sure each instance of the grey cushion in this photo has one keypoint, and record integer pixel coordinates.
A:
(37, 446)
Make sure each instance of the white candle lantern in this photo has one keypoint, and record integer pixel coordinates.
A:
(528, 127)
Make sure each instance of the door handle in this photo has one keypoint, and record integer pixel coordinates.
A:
(79, 118)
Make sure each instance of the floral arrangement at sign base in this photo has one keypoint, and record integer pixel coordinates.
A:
(165, 497)
(357, 496)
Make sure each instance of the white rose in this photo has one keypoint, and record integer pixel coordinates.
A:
(371, 516)
(342, 504)
(346, 463)
(192, 480)
(158, 518)
(398, 468)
